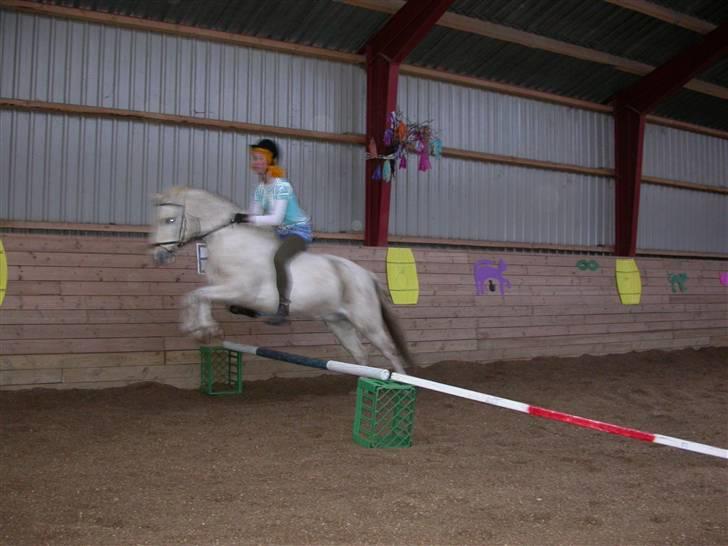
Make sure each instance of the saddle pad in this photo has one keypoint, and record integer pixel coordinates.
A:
(404, 286)
(629, 283)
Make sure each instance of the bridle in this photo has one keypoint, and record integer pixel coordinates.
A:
(191, 223)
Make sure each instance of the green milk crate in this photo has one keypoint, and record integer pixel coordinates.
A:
(221, 371)
(385, 413)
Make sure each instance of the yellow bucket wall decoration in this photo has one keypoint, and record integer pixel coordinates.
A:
(404, 286)
(629, 282)
(3, 273)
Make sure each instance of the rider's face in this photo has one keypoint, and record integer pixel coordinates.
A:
(258, 163)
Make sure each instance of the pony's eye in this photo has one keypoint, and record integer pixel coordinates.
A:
(170, 220)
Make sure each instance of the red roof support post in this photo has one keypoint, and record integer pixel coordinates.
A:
(629, 132)
(385, 51)
(381, 99)
(630, 108)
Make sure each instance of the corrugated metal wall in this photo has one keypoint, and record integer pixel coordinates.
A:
(680, 155)
(73, 62)
(676, 219)
(473, 200)
(482, 121)
(67, 168)
(464, 199)
(64, 168)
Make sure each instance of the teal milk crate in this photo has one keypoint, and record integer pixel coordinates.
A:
(385, 413)
(221, 371)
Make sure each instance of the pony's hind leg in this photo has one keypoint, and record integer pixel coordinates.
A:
(381, 339)
(346, 334)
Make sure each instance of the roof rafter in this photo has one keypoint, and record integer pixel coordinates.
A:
(644, 94)
(535, 41)
(665, 14)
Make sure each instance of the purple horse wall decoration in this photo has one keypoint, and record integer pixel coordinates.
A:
(484, 270)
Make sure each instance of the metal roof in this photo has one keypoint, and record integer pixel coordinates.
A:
(709, 10)
(593, 24)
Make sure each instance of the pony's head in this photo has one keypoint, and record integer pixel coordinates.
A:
(179, 215)
(168, 226)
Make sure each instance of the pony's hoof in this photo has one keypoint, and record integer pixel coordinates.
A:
(207, 333)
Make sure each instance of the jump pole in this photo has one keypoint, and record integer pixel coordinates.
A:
(384, 375)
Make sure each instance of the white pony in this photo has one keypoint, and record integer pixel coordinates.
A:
(240, 271)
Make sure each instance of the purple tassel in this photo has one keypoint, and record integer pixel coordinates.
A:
(403, 161)
(377, 174)
(388, 136)
(424, 164)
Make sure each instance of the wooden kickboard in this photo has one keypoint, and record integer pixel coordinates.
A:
(404, 286)
(629, 283)
(3, 273)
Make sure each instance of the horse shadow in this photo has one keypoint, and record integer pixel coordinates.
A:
(484, 270)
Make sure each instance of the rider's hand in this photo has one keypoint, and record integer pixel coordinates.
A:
(240, 218)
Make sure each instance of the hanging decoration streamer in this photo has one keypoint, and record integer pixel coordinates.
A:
(402, 137)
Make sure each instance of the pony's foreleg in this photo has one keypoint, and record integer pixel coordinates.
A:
(346, 334)
(197, 310)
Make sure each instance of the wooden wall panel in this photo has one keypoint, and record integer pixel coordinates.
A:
(92, 311)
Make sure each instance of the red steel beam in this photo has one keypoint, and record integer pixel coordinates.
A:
(630, 108)
(385, 51)
(644, 94)
(629, 130)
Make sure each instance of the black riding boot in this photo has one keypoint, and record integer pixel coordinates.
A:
(281, 316)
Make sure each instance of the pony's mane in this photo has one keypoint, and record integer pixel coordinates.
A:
(180, 192)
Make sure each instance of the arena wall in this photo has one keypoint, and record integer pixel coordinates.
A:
(92, 311)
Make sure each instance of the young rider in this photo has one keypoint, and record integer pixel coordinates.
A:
(275, 204)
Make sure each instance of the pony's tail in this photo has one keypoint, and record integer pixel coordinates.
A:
(393, 327)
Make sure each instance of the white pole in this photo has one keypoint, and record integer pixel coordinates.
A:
(379, 373)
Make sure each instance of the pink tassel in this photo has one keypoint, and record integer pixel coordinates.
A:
(403, 161)
(424, 163)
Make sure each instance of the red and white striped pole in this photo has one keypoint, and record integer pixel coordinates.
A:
(559, 416)
(379, 373)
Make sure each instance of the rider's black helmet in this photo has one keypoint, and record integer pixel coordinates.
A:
(267, 144)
